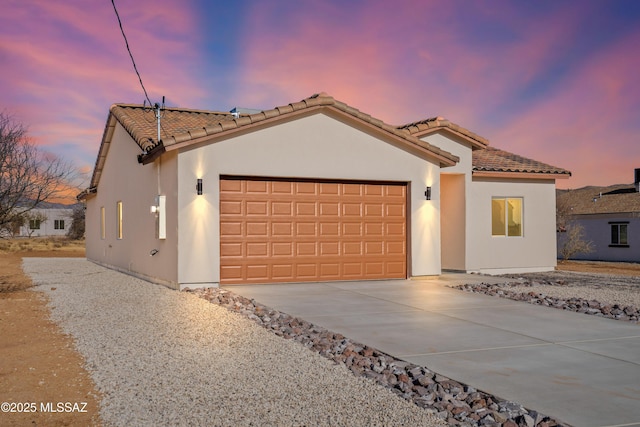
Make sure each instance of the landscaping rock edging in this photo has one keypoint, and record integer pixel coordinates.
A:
(575, 304)
(458, 403)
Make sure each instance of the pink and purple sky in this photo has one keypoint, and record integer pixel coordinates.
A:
(557, 81)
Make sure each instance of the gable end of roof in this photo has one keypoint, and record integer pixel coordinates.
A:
(434, 124)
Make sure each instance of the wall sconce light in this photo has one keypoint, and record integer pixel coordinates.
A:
(199, 187)
(427, 193)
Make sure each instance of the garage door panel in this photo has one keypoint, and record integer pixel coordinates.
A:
(329, 248)
(259, 208)
(395, 210)
(373, 229)
(281, 208)
(374, 190)
(282, 272)
(282, 187)
(306, 208)
(306, 229)
(374, 268)
(374, 248)
(330, 270)
(282, 249)
(396, 248)
(231, 229)
(393, 268)
(352, 248)
(352, 209)
(328, 229)
(330, 209)
(352, 229)
(257, 229)
(307, 271)
(231, 249)
(352, 189)
(398, 191)
(232, 207)
(306, 188)
(373, 209)
(260, 249)
(306, 249)
(231, 186)
(282, 231)
(257, 272)
(352, 270)
(256, 187)
(329, 189)
(395, 229)
(231, 272)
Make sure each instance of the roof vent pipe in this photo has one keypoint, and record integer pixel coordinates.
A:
(636, 181)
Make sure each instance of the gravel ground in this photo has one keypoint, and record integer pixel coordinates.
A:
(609, 289)
(161, 357)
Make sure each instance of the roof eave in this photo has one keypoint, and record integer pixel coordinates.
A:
(294, 111)
(476, 144)
(521, 175)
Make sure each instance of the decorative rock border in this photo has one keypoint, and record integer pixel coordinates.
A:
(576, 304)
(458, 403)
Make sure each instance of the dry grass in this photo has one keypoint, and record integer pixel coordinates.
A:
(38, 362)
(616, 268)
(13, 250)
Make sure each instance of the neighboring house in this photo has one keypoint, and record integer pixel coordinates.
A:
(610, 217)
(41, 222)
(312, 191)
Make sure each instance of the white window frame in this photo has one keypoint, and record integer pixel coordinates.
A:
(507, 217)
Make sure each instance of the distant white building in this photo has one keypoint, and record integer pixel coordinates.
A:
(47, 222)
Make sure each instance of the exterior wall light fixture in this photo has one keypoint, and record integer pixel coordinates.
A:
(199, 187)
(427, 193)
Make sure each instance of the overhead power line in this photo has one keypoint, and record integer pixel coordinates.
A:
(130, 54)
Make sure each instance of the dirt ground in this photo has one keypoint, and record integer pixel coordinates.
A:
(616, 268)
(38, 363)
(40, 371)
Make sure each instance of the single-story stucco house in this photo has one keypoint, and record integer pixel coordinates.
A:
(311, 191)
(610, 218)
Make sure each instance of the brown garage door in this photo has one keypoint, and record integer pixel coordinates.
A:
(299, 231)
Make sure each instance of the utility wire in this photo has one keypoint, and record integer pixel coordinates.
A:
(130, 54)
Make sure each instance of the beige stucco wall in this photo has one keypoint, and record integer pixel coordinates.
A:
(124, 179)
(471, 247)
(317, 146)
(453, 221)
(535, 250)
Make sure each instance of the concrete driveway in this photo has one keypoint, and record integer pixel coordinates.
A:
(583, 370)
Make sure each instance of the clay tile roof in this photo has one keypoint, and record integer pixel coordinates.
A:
(141, 124)
(434, 124)
(494, 160)
(183, 126)
(614, 199)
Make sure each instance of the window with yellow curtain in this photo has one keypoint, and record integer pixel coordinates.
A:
(119, 220)
(506, 216)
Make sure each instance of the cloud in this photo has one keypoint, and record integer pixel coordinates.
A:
(589, 123)
(534, 80)
(67, 63)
